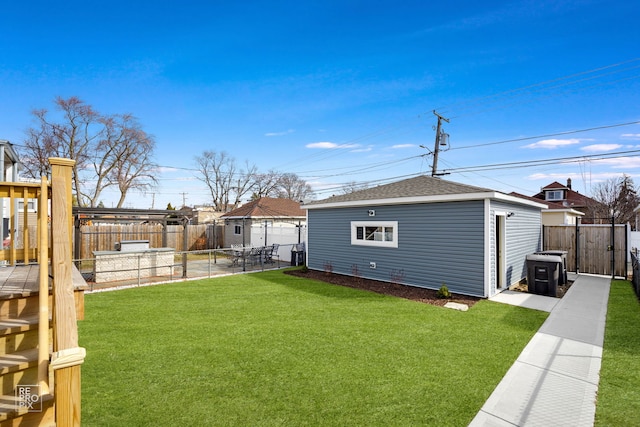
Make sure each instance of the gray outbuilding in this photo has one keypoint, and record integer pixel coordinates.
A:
(426, 232)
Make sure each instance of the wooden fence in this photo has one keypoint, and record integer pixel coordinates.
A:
(590, 248)
(104, 237)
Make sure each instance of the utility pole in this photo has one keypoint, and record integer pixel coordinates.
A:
(436, 148)
(184, 199)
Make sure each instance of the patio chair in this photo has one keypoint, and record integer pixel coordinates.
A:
(268, 253)
(237, 252)
(255, 255)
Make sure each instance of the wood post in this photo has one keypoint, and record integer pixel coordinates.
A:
(67, 378)
(43, 289)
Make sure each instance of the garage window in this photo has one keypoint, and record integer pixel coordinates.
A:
(375, 233)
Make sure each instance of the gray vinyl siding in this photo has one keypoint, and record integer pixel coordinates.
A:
(438, 243)
(523, 237)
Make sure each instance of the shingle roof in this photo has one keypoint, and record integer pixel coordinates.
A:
(267, 207)
(573, 198)
(550, 204)
(555, 185)
(420, 186)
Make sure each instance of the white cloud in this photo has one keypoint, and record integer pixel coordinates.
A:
(560, 177)
(403, 146)
(620, 162)
(362, 150)
(552, 144)
(630, 136)
(286, 132)
(166, 169)
(601, 147)
(331, 145)
(322, 145)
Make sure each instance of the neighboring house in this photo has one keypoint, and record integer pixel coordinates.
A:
(636, 211)
(205, 214)
(556, 213)
(426, 232)
(9, 161)
(568, 198)
(266, 221)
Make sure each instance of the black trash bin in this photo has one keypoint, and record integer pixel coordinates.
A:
(297, 255)
(543, 272)
(562, 279)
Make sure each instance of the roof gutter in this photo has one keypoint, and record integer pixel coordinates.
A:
(425, 199)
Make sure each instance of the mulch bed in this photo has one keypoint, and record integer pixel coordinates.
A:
(427, 296)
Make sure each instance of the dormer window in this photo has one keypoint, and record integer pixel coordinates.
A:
(554, 195)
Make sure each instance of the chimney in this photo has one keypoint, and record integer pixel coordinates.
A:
(569, 183)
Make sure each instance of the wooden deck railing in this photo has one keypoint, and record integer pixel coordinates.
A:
(51, 249)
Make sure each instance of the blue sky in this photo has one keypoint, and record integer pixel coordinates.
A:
(341, 91)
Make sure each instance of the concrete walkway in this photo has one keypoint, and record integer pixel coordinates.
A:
(554, 381)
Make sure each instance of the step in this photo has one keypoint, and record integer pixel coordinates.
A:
(18, 335)
(16, 306)
(20, 367)
(11, 414)
(18, 361)
(20, 324)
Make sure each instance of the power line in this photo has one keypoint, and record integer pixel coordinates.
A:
(548, 135)
(543, 162)
(341, 186)
(498, 166)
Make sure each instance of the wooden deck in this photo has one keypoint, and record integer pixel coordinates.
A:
(41, 299)
(22, 280)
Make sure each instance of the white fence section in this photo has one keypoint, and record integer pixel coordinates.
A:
(284, 234)
(634, 241)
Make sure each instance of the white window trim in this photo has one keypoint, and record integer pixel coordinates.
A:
(31, 205)
(383, 244)
(554, 192)
(237, 230)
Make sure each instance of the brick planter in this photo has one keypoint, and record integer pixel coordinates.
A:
(111, 266)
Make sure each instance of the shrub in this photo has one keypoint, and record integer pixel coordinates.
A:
(328, 267)
(396, 276)
(355, 272)
(443, 292)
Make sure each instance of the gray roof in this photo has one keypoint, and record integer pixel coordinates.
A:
(420, 186)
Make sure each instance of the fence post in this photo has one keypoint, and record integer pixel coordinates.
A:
(577, 245)
(68, 356)
(627, 230)
(185, 243)
(613, 246)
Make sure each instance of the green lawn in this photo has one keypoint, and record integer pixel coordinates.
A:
(268, 349)
(619, 391)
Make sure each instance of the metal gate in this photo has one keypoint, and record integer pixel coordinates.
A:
(591, 248)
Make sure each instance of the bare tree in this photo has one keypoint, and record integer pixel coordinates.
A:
(295, 188)
(130, 152)
(353, 186)
(627, 200)
(40, 144)
(244, 182)
(266, 184)
(226, 183)
(618, 198)
(72, 137)
(108, 150)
